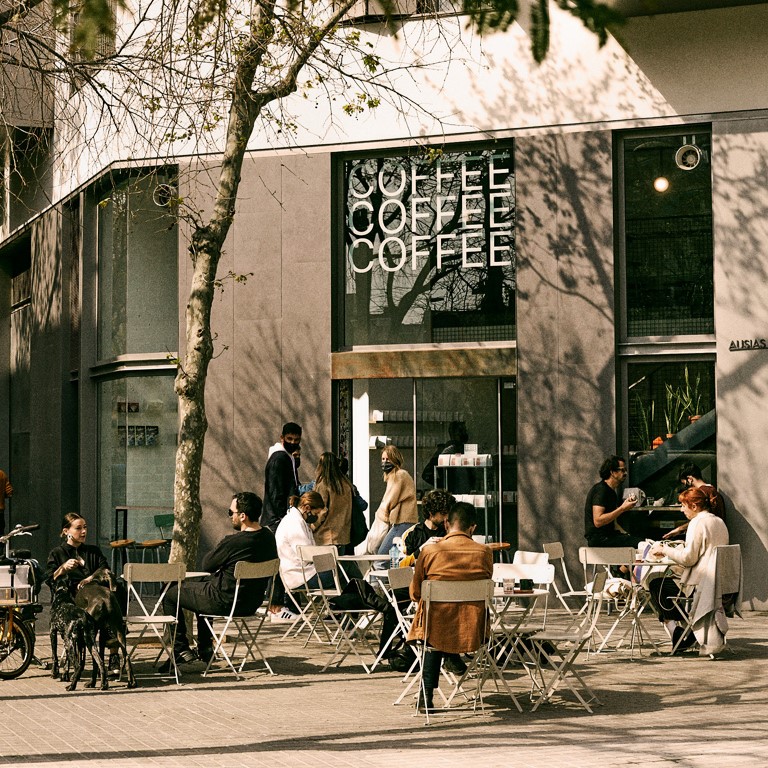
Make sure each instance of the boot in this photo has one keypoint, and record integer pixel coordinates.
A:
(424, 703)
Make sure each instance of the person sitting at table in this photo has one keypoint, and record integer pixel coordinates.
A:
(690, 476)
(435, 506)
(454, 628)
(294, 531)
(602, 509)
(697, 558)
(213, 594)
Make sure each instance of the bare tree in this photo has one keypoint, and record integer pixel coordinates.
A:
(204, 74)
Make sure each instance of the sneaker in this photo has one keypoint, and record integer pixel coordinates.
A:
(283, 617)
(186, 656)
(115, 667)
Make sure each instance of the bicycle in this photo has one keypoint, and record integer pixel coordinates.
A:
(17, 608)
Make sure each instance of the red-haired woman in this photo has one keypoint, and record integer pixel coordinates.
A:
(697, 558)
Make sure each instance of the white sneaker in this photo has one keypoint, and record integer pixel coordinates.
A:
(283, 617)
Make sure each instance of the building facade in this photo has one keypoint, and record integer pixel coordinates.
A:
(579, 272)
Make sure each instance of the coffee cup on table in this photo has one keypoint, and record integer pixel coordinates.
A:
(526, 585)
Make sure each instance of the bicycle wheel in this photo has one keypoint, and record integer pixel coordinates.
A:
(16, 648)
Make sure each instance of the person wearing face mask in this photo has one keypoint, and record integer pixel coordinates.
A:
(294, 531)
(398, 506)
(281, 481)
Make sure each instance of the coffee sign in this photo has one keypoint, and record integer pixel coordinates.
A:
(747, 345)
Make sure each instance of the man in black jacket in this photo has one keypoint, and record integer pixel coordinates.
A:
(213, 594)
(281, 481)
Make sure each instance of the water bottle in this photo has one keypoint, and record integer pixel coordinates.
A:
(394, 556)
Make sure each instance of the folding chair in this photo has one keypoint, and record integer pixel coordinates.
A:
(482, 666)
(350, 625)
(556, 552)
(525, 557)
(220, 624)
(144, 613)
(634, 603)
(560, 650)
(397, 579)
(309, 611)
(727, 585)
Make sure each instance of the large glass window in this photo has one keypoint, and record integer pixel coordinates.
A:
(671, 409)
(667, 199)
(138, 423)
(138, 270)
(428, 252)
(452, 440)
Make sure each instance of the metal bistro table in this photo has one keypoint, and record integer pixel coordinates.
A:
(369, 560)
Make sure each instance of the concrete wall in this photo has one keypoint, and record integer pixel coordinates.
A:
(276, 325)
(566, 363)
(740, 210)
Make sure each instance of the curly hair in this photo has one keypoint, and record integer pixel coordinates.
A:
(437, 501)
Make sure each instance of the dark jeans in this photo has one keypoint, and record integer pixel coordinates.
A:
(661, 590)
(200, 596)
(431, 671)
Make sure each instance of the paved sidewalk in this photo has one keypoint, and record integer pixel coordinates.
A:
(657, 712)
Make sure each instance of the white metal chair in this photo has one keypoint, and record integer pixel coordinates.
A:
(350, 625)
(482, 666)
(560, 651)
(397, 579)
(248, 626)
(556, 553)
(144, 613)
(308, 600)
(635, 600)
(526, 557)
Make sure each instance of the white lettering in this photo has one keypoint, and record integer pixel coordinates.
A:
(382, 219)
(466, 249)
(503, 171)
(444, 213)
(465, 174)
(499, 208)
(355, 178)
(403, 181)
(361, 245)
(385, 250)
(360, 204)
(443, 251)
(499, 248)
(467, 212)
(439, 175)
(416, 214)
(416, 177)
(415, 252)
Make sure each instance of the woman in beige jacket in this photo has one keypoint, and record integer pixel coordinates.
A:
(398, 506)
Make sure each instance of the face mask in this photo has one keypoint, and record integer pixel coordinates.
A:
(387, 466)
(310, 517)
(291, 447)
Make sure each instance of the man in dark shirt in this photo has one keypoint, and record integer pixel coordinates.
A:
(603, 508)
(214, 594)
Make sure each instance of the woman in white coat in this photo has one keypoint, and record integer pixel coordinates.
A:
(698, 559)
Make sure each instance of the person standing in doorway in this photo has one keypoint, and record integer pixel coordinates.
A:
(6, 491)
(281, 481)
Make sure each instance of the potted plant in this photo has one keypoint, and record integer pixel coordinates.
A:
(690, 396)
(673, 409)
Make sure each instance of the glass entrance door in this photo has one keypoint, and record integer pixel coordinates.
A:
(455, 433)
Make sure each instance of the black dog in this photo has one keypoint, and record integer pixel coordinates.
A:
(96, 596)
(78, 632)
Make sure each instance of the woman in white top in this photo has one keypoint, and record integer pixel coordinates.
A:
(698, 557)
(294, 531)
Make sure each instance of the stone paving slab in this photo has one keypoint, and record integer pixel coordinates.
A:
(657, 712)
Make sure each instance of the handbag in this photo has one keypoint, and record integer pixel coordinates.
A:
(359, 527)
